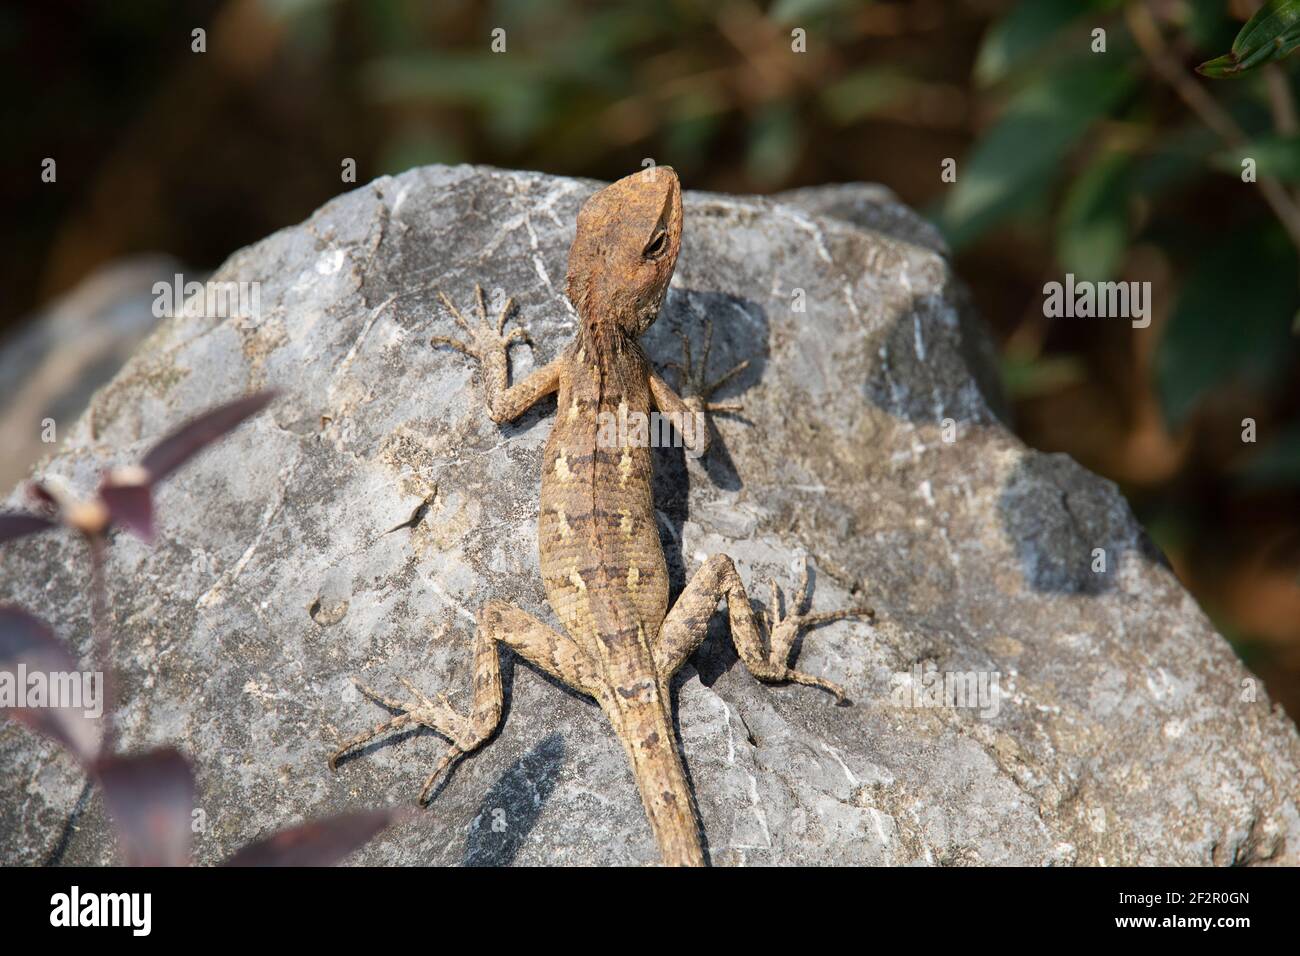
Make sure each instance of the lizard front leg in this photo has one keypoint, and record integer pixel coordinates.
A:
(687, 623)
(690, 407)
(533, 640)
(490, 344)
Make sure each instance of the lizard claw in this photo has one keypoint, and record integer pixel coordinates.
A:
(436, 714)
(447, 759)
(485, 338)
(785, 624)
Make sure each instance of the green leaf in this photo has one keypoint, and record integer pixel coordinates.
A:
(1276, 156)
(1221, 67)
(1024, 31)
(1092, 232)
(1231, 322)
(1271, 34)
(1022, 154)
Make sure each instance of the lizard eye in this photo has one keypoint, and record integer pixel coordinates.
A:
(657, 245)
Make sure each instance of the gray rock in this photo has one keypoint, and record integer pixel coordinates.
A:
(1125, 730)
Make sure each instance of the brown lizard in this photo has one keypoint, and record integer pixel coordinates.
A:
(601, 559)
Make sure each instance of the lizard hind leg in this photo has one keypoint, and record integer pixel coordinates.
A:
(687, 624)
(533, 640)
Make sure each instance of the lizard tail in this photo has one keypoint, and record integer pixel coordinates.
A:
(646, 730)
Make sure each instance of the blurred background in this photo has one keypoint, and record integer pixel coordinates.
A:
(1116, 165)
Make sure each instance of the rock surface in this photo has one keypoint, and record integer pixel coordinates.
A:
(56, 360)
(1125, 732)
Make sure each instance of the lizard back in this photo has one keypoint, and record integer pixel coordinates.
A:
(601, 559)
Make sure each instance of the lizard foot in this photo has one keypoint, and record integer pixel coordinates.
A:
(436, 714)
(693, 384)
(486, 339)
(784, 625)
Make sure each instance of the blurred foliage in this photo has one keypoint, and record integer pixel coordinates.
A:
(1016, 161)
(1231, 320)
(1069, 160)
(1078, 126)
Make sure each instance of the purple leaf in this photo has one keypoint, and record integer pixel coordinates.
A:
(43, 497)
(150, 797)
(130, 506)
(15, 525)
(183, 443)
(317, 843)
(41, 686)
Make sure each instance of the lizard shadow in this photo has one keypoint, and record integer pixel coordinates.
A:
(731, 342)
(739, 333)
(511, 807)
(717, 654)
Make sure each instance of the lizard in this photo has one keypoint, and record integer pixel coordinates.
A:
(601, 559)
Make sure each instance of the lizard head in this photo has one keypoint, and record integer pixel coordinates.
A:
(625, 251)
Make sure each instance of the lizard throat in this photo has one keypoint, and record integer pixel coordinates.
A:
(605, 338)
